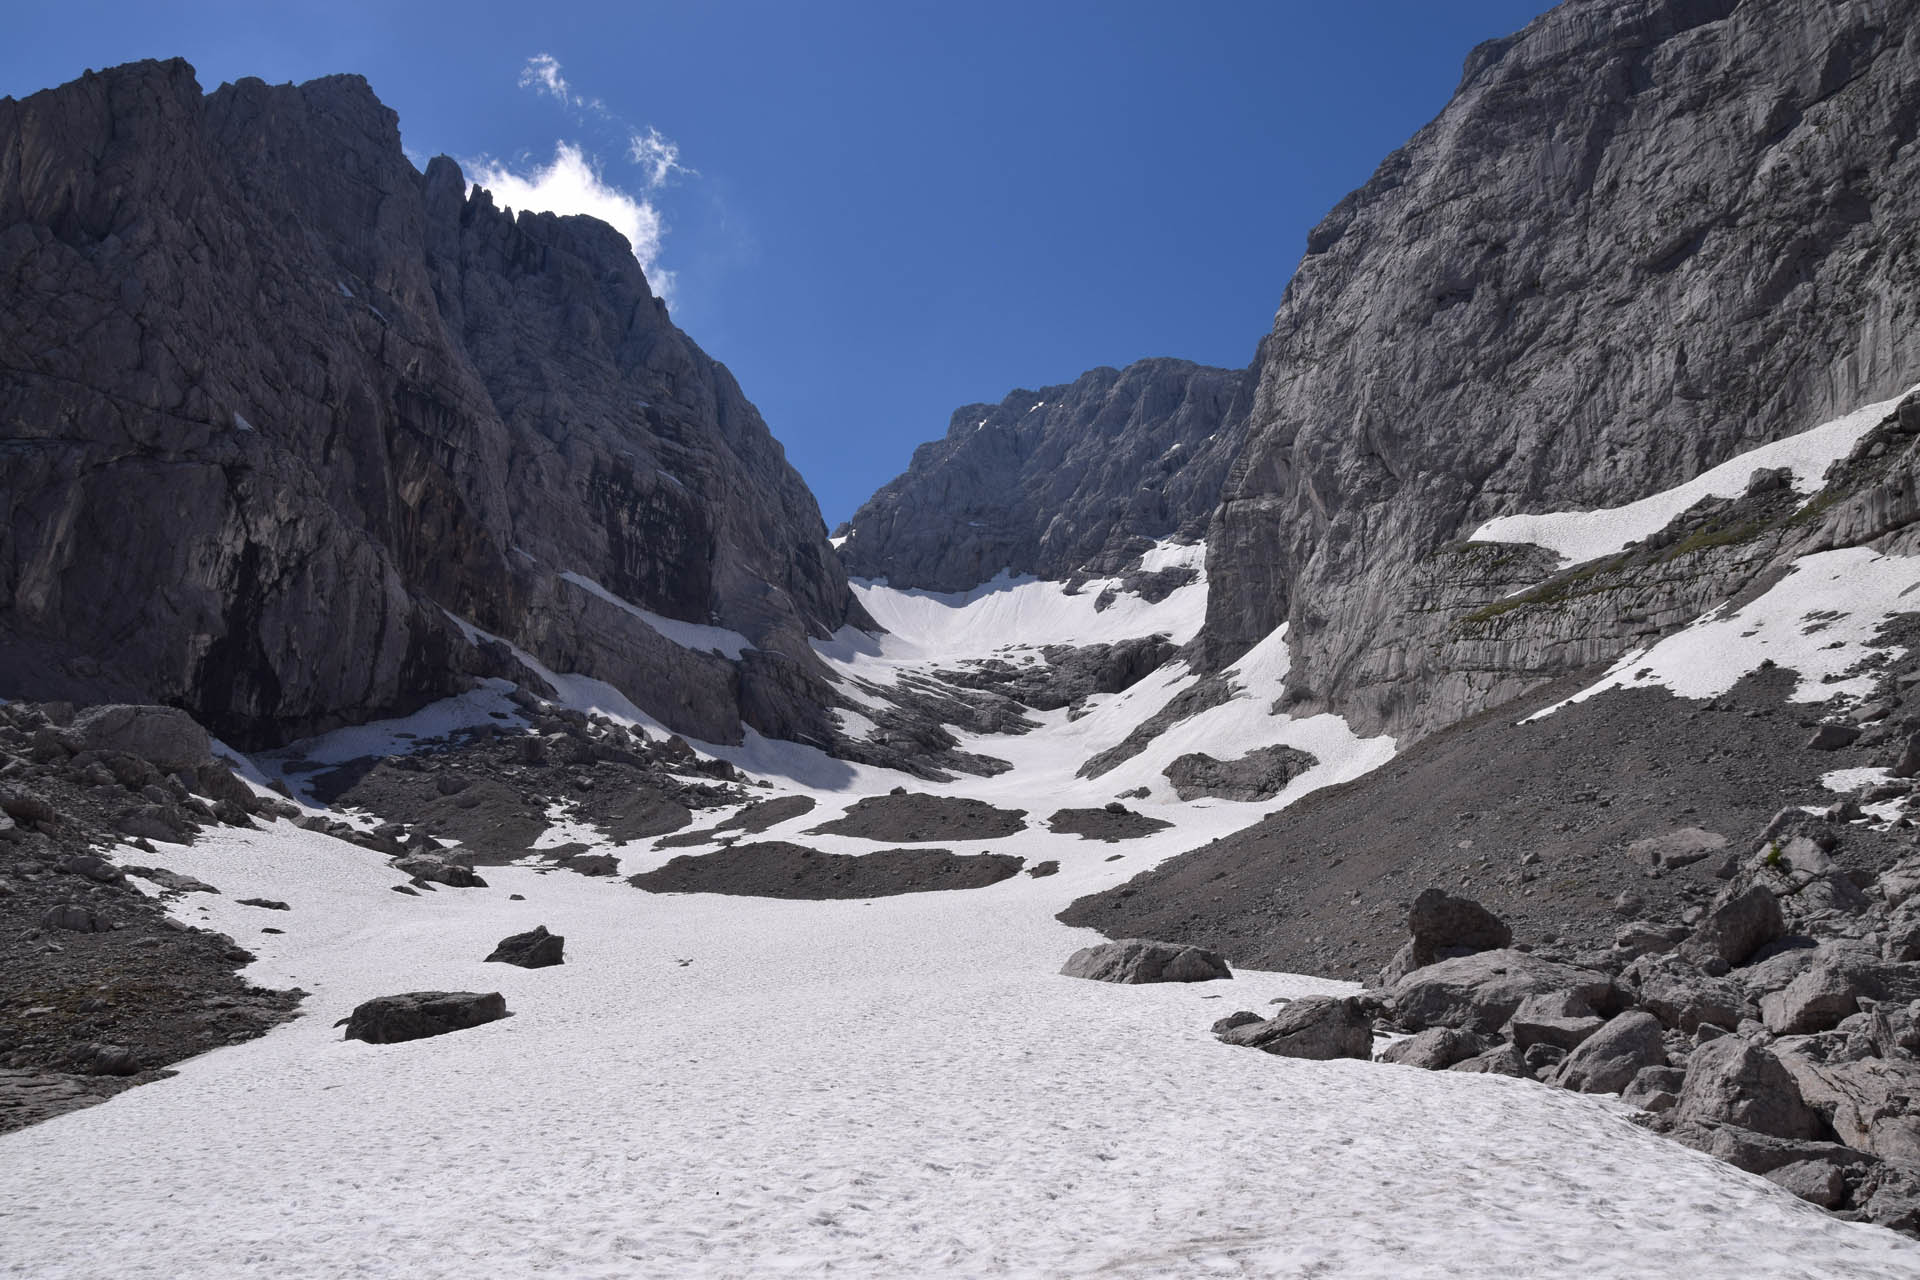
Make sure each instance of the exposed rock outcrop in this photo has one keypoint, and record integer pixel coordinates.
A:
(1452, 349)
(382, 401)
(415, 1015)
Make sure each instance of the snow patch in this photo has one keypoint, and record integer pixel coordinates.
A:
(1819, 621)
(1579, 536)
(1168, 554)
(688, 635)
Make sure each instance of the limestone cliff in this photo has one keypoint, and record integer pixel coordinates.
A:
(274, 404)
(1644, 236)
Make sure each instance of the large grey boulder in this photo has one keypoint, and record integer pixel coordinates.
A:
(1561, 1019)
(1136, 960)
(1733, 1081)
(1480, 992)
(1736, 927)
(1682, 997)
(1814, 1001)
(165, 737)
(1872, 1104)
(1444, 926)
(1315, 1027)
(1434, 1049)
(414, 1015)
(1608, 1060)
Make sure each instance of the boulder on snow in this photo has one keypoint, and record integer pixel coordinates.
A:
(414, 1015)
(1609, 1059)
(1734, 1081)
(535, 949)
(165, 737)
(1501, 1060)
(1480, 992)
(1319, 1028)
(1137, 960)
(421, 866)
(592, 864)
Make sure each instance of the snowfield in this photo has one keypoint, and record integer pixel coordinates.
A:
(737, 1087)
(722, 1086)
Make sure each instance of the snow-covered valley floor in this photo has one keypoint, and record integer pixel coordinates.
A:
(741, 1087)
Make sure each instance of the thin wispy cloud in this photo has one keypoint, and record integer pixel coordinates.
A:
(576, 182)
(542, 75)
(657, 156)
(573, 183)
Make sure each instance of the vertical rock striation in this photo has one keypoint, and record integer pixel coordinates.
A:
(1644, 236)
(274, 404)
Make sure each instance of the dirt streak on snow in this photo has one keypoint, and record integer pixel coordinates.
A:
(888, 1088)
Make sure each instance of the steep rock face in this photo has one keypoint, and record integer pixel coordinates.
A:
(273, 404)
(1644, 236)
(1052, 482)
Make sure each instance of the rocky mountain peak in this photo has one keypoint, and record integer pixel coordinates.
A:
(1078, 477)
(289, 418)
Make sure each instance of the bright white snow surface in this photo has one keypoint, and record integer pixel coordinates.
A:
(1819, 621)
(1586, 535)
(888, 1088)
(716, 1086)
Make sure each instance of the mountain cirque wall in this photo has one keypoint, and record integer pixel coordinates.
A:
(1080, 477)
(273, 404)
(1644, 236)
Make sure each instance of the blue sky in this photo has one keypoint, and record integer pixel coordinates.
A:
(875, 213)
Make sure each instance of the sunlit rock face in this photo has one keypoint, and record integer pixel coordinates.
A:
(1644, 236)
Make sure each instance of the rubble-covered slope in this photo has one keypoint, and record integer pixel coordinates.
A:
(274, 404)
(1070, 479)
